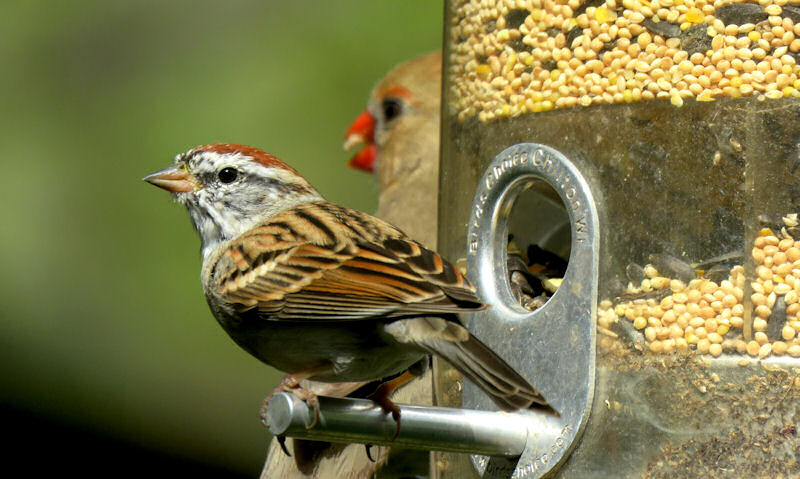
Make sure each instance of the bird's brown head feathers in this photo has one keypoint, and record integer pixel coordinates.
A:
(229, 188)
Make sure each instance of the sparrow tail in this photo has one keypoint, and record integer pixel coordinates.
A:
(506, 387)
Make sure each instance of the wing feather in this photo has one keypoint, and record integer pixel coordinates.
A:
(322, 262)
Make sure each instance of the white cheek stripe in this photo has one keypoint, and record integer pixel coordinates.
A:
(216, 223)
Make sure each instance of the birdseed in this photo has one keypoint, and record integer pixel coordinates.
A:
(514, 57)
(709, 316)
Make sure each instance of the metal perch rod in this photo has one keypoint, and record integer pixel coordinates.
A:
(422, 427)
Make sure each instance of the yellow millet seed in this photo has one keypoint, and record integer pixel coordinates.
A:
(741, 346)
(695, 15)
(760, 324)
(656, 347)
(703, 345)
(715, 338)
(788, 333)
(640, 322)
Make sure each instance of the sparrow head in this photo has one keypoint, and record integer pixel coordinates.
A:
(405, 101)
(228, 189)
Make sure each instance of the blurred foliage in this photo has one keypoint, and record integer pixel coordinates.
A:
(104, 325)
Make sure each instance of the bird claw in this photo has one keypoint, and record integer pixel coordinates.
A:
(396, 416)
(368, 447)
(388, 407)
(262, 412)
(313, 402)
(282, 441)
(385, 390)
(291, 384)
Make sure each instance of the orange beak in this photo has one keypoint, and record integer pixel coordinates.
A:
(362, 132)
(173, 179)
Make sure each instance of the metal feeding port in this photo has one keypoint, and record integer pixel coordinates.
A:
(541, 321)
(536, 195)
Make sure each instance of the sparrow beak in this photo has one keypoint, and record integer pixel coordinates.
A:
(174, 179)
(362, 132)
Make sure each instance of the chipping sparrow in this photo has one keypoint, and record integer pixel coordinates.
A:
(405, 145)
(321, 291)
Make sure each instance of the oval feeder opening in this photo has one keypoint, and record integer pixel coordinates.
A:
(538, 246)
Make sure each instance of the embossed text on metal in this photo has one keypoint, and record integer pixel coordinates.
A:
(553, 346)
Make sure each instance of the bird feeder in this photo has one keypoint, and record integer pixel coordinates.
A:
(652, 147)
(655, 147)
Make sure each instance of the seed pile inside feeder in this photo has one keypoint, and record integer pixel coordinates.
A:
(709, 317)
(515, 57)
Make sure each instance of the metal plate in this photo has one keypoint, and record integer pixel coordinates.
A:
(553, 346)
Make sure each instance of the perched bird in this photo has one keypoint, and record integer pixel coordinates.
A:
(399, 136)
(321, 291)
(399, 132)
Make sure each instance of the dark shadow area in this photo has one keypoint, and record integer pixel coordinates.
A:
(41, 446)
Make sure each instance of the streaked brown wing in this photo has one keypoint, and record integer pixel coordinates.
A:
(338, 270)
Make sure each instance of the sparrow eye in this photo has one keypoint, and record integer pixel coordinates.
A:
(228, 175)
(391, 109)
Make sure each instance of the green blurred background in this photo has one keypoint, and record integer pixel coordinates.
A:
(109, 356)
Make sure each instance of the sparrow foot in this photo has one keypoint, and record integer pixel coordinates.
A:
(291, 384)
(384, 391)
